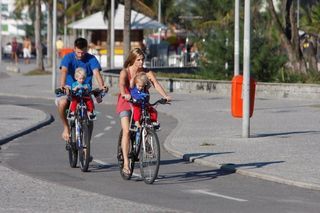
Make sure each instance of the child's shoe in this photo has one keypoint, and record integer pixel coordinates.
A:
(92, 116)
(156, 125)
(71, 116)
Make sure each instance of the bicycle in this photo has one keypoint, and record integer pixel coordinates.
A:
(80, 129)
(145, 148)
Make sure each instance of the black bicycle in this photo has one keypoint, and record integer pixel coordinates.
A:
(80, 129)
(144, 148)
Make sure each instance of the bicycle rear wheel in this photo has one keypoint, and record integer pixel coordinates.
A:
(120, 159)
(84, 149)
(73, 152)
(149, 156)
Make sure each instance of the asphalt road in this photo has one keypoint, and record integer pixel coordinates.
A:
(182, 186)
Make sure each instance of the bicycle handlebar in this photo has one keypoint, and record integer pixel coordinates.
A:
(96, 92)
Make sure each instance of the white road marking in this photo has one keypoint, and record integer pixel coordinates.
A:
(107, 128)
(99, 135)
(100, 162)
(200, 191)
(109, 117)
(112, 122)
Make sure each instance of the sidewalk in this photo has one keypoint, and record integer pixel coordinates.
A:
(283, 146)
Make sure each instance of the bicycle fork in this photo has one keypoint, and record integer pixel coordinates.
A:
(78, 134)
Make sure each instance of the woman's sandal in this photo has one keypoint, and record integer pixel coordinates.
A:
(126, 172)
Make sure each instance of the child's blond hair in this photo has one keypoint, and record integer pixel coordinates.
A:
(80, 72)
(141, 77)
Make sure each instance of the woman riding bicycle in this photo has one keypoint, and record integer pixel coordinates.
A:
(132, 66)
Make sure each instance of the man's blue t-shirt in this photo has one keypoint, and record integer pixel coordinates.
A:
(88, 62)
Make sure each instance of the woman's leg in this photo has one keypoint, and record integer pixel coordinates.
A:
(125, 122)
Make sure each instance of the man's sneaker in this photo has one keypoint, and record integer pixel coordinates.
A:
(92, 116)
(71, 116)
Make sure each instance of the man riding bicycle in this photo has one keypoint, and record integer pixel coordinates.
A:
(70, 62)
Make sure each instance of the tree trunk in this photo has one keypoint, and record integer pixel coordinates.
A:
(37, 33)
(127, 28)
(289, 34)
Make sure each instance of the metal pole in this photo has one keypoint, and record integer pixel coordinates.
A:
(112, 35)
(159, 20)
(246, 72)
(54, 37)
(65, 25)
(236, 38)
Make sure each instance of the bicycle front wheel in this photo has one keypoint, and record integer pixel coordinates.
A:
(72, 151)
(149, 156)
(84, 149)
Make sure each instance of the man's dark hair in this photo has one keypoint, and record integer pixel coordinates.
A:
(81, 43)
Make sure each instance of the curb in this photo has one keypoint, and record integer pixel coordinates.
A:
(49, 119)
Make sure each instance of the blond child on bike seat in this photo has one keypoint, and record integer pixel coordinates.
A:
(79, 87)
(140, 93)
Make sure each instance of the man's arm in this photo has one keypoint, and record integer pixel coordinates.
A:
(99, 78)
(63, 76)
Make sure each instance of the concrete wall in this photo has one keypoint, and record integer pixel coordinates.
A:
(223, 88)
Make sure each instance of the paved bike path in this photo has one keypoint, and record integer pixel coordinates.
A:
(283, 146)
(22, 193)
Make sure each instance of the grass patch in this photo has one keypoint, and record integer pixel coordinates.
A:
(37, 72)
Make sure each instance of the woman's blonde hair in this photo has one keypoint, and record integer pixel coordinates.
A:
(133, 55)
(80, 71)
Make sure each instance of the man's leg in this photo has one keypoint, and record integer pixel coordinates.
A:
(62, 106)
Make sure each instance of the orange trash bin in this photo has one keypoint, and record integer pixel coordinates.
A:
(236, 96)
(65, 51)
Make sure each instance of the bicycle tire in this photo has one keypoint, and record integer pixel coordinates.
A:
(84, 151)
(73, 152)
(149, 156)
(120, 159)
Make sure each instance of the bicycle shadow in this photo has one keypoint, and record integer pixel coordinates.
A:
(194, 175)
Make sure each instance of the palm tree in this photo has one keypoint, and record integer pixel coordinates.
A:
(37, 33)
(289, 33)
(127, 27)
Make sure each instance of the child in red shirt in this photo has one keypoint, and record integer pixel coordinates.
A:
(79, 86)
(140, 93)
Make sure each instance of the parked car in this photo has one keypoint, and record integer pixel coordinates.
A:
(8, 49)
(33, 49)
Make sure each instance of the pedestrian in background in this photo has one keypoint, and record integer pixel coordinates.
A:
(26, 50)
(14, 50)
(59, 46)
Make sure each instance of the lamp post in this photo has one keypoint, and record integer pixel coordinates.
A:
(112, 35)
(236, 38)
(0, 31)
(54, 37)
(246, 72)
(159, 20)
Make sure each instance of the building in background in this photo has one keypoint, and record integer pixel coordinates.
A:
(11, 25)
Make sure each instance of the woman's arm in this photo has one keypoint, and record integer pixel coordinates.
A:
(151, 76)
(122, 84)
